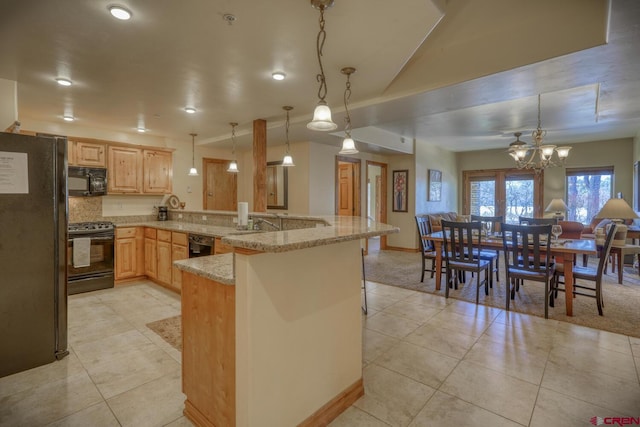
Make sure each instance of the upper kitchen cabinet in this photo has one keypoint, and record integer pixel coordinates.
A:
(82, 153)
(142, 170)
(124, 172)
(158, 171)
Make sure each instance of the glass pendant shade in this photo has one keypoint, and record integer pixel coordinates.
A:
(287, 161)
(348, 146)
(193, 172)
(322, 118)
(233, 167)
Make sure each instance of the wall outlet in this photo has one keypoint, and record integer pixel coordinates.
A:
(188, 189)
(204, 217)
(179, 216)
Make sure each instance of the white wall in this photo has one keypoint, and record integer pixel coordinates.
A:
(9, 104)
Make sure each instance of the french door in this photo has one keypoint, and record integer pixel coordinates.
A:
(508, 192)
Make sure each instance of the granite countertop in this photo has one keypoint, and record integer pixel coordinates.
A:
(187, 227)
(340, 229)
(218, 268)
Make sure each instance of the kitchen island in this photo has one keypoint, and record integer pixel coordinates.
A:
(272, 332)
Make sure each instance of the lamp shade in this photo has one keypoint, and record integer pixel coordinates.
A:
(233, 167)
(322, 118)
(616, 209)
(348, 147)
(556, 205)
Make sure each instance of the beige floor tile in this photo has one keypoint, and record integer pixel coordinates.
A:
(41, 376)
(155, 403)
(635, 346)
(596, 359)
(374, 344)
(524, 364)
(100, 329)
(432, 300)
(496, 392)
(596, 388)
(451, 343)
(424, 365)
(111, 347)
(477, 310)
(581, 337)
(393, 292)
(446, 410)
(129, 371)
(49, 402)
(354, 417)
(392, 397)
(180, 422)
(416, 312)
(559, 410)
(379, 302)
(452, 320)
(98, 415)
(392, 325)
(528, 337)
(522, 320)
(142, 317)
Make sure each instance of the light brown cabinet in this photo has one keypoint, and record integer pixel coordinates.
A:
(157, 169)
(221, 248)
(179, 250)
(125, 170)
(163, 252)
(128, 251)
(81, 153)
(150, 257)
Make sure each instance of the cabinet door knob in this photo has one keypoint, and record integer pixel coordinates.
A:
(209, 193)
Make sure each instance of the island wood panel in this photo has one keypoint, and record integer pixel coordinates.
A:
(208, 351)
(260, 165)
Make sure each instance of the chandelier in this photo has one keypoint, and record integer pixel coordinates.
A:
(536, 156)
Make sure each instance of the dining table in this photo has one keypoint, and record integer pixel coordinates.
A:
(567, 249)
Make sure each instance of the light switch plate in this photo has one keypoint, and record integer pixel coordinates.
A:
(204, 217)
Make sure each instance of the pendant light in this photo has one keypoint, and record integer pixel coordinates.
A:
(233, 166)
(193, 171)
(288, 160)
(348, 145)
(322, 114)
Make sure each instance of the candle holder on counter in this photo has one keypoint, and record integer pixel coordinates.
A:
(182, 205)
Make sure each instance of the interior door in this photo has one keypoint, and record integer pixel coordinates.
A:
(220, 186)
(345, 187)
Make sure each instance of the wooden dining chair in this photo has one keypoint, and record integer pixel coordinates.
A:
(489, 255)
(526, 258)
(426, 246)
(523, 220)
(461, 239)
(586, 273)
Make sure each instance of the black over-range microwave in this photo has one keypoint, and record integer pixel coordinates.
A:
(87, 181)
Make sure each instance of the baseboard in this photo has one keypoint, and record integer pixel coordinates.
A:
(335, 406)
(397, 248)
(195, 416)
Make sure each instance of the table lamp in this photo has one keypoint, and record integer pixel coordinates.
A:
(557, 206)
(617, 210)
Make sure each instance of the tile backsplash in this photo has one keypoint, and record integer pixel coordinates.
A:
(85, 209)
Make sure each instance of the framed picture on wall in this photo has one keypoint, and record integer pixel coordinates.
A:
(434, 185)
(400, 190)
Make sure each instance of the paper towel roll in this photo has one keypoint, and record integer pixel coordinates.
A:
(243, 213)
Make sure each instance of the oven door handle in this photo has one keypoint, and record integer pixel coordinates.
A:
(96, 238)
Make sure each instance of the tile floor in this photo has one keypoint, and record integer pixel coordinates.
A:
(427, 362)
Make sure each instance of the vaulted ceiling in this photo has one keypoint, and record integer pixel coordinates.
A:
(464, 74)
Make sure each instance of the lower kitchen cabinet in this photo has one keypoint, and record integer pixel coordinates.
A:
(163, 253)
(179, 250)
(150, 257)
(129, 253)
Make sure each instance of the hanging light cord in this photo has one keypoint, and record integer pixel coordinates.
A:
(322, 36)
(347, 96)
(539, 134)
(193, 150)
(233, 140)
(286, 131)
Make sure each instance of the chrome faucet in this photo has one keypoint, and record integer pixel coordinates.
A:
(259, 220)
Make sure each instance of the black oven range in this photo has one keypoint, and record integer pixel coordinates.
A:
(90, 256)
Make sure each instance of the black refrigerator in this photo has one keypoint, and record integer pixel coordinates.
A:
(33, 233)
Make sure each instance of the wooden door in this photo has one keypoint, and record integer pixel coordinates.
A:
(220, 186)
(345, 189)
(125, 170)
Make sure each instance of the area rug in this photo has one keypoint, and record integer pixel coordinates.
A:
(621, 301)
(169, 330)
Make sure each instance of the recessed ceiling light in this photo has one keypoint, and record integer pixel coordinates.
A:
(68, 118)
(142, 130)
(63, 82)
(120, 12)
(278, 75)
(190, 110)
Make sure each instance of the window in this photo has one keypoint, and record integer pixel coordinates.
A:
(587, 191)
(508, 192)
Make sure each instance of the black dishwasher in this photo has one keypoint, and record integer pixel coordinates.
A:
(200, 245)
